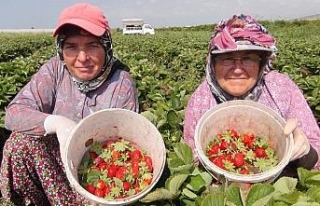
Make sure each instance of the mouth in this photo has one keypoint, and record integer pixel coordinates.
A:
(84, 68)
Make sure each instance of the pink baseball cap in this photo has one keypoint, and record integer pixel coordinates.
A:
(85, 16)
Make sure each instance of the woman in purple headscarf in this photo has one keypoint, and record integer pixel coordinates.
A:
(238, 67)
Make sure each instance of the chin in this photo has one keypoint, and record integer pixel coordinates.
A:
(85, 77)
(237, 92)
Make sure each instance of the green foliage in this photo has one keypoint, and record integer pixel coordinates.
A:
(168, 66)
(195, 188)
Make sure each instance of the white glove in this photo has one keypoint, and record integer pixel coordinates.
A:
(62, 127)
(301, 145)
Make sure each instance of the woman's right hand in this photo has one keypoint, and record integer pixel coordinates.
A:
(62, 127)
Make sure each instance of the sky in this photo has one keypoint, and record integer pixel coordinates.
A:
(43, 14)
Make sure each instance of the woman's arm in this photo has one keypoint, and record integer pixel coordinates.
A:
(27, 111)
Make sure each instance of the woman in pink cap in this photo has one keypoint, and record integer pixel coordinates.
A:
(239, 67)
(83, 78)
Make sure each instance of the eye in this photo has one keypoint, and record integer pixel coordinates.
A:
(69, 46)
(94, 45)
(246, 58)
(227, 58)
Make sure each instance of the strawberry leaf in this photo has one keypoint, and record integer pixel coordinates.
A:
(259, 194)
(158, 195)
(233, 195)
(174, 182)
(214, 199)
(184, 152)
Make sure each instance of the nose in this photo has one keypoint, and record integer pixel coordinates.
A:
(82, 55)
(237, 62)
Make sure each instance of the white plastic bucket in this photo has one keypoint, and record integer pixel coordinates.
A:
(245, 117)
(106, 124)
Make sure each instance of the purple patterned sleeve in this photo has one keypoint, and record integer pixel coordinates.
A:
(288, 100)
(27, 111)
(126, 94)
(200, 101)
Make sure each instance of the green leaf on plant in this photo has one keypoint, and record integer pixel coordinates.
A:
(195, 183)
(190, 194)
(174, 182)
(159, 194)
(215, 199)
(308, 178)
(289, 198)
(259, 194)
(204, 175)
(172, 118)
(233, 195)
(314, 193)
(285, 185)
(184, 152)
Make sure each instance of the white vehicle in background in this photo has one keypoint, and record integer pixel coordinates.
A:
(136, 26)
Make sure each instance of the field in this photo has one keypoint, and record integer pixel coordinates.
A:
(167, 67)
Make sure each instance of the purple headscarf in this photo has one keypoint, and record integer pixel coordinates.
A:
(228, 37)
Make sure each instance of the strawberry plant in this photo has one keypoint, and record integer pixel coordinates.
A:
(115, 169)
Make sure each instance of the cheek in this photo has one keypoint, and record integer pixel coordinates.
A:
(69, 62)
(220, 73)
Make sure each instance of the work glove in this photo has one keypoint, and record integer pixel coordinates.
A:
(62, 127)
(301, 146)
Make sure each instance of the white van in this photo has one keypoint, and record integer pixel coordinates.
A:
(136, 26)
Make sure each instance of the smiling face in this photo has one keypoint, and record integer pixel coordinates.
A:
(84, 56)
(237, 72)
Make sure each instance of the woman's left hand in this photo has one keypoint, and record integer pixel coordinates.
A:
(301, 145)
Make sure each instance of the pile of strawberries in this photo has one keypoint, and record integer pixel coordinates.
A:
(115, 169)
(241, 153)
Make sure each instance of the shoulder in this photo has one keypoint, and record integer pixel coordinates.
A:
(54, 64)
(201, 96)
(277, 77)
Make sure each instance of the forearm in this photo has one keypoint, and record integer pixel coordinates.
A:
(24, 120)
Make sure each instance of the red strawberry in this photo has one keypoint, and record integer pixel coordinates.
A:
(260, 152)
(103, 166)
(101, 184)
(246, 139)
(112, 170)
(126, 186)
(244, 171)
(98, 160)
(234, 133)
(135, 171)
(148, 161)
(90, 188)
(136, 154)
(99, 192)
(218, 161)
(107, 190)
(116, 155)
(93, 155)
(121, 172)
(108, 144)
(219, 136)
(214, 149)
(223, 145)
(238, 160)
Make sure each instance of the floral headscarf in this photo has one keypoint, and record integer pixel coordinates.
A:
(248, 35)
(86, 86)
